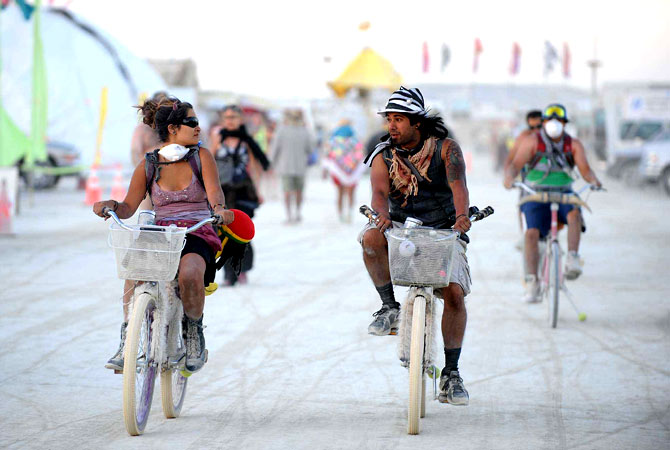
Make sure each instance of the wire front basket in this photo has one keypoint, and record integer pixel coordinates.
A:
(147, 252)
(421, 256)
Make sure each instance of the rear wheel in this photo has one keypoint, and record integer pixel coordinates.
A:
(554, 283)
(416, 365)
(423, 397)
(139, 370)
(173, 386)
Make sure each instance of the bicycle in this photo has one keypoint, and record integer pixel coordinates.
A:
(420, 258)
(551, 277)
(150, 254)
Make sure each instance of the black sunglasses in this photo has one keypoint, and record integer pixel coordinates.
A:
(535, 127)
(191, 122)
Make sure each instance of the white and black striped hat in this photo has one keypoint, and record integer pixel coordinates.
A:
(406, 101)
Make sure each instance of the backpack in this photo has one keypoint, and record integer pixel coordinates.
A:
(151, 161)
(542, 151)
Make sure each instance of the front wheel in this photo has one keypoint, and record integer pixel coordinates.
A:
(173, 384)
(139, 370)
(416, 365)
(554, 283)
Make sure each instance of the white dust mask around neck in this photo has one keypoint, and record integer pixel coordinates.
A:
(173, 152)
(553, 128)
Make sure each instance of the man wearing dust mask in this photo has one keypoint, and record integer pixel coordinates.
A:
(551, 155)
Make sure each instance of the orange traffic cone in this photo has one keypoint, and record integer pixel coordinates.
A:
(5, 211)
(118, 187)
(93, 191)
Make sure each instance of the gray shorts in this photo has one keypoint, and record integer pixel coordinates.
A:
(292, 183)
(460, 271)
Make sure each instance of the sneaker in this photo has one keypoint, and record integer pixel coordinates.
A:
(573, 266)
(196, 354)
(386, 321)
(116, 362)
(532, 294)
(452, 390)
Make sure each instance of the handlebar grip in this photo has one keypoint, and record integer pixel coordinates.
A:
(368, 212)
(479, 215)
(106, 210)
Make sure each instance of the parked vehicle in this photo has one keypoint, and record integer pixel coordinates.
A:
(655, 160)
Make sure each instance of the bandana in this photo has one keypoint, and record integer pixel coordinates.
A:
(401, 175)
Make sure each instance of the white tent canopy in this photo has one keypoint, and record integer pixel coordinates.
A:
(80, 61)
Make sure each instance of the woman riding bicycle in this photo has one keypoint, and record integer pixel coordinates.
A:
(181, 197)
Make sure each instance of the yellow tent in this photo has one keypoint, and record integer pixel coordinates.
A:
(367, 71)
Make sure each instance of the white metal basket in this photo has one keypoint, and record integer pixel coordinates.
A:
(421, 256)
(147, 252)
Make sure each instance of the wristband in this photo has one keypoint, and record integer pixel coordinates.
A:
(219, 204)
(460, 215)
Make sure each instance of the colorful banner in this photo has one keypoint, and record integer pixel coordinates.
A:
(515, 64)
(38, 126)
(566, 60)
(478, 51)
(426, 58)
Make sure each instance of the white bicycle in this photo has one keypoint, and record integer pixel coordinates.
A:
(154, 342)
(420, 258)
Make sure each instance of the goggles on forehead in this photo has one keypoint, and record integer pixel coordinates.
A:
(555, 111)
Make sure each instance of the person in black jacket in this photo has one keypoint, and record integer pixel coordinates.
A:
(239, 160)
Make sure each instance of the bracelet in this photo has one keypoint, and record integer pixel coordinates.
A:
(460, 215)
(116, 205)
(219, 204)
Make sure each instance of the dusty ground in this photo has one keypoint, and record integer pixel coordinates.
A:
(291, 365)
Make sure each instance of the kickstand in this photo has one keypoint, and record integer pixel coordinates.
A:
(569, 297)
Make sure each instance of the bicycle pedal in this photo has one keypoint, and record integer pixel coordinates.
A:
(118, 372)
(393, 332)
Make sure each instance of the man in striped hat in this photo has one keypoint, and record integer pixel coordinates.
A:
(417, 171)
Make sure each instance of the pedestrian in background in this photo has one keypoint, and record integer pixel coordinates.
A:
(289, 151)
(239, 161)
(343, 161)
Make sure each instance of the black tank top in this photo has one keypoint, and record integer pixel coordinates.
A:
(434, 202)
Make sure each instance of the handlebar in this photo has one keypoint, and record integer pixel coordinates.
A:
(475, 213)
(569, 198)
(109, 213)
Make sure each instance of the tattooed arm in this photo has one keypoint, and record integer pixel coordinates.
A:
(455, 167)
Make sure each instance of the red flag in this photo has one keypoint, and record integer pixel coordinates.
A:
(426, 60)
(516, 59)
(478, 50)
(566, 60)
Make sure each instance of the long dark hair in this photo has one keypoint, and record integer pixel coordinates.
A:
(167, 111)
(432, 125)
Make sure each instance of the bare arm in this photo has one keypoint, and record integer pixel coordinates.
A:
(454, 164)
(136, 193)
(582, 164)
(524, 153)
(381, 186)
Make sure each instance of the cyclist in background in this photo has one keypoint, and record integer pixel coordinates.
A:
(551, 155)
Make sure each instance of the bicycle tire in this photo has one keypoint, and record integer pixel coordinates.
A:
(173, 387)
(554, 283)
(416, 364)
(138, 380)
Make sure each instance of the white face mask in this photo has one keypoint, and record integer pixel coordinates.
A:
(173, 152)
(553, 128)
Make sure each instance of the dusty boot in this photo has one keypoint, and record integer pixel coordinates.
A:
(196, 354)
(116, 361)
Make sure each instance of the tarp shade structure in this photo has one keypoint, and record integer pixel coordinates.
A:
(367, 71)
(80, 60)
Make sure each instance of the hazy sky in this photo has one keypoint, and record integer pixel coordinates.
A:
(278, 48)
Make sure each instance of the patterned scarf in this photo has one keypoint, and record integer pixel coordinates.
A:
(402, 177)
